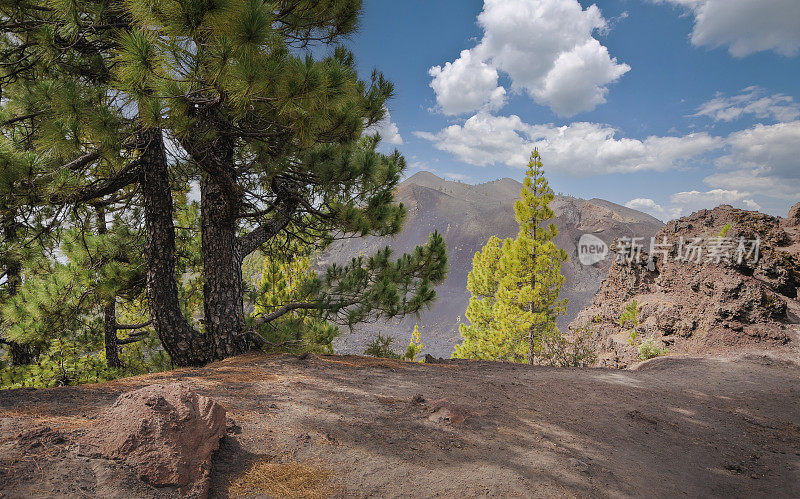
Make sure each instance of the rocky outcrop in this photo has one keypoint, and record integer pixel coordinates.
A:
(794, 216)
(720, 298)
(166, 432)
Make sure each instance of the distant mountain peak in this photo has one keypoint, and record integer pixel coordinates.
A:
(423, 176)
(467, 215)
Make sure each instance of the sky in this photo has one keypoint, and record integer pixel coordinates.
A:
(666, 106)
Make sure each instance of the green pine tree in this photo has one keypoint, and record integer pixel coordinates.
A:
(96, 91)
(415, 345)
(515, 283)
(286, 277)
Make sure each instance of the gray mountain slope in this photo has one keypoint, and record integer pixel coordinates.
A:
(467, 215)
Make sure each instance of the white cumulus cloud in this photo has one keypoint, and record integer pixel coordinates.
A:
(546, 47)
(465, 85)
(683, 203)
(763, 159)
(579, 148)
(387, 129)
(745, 26)
(696, 200)
(752, 101)
(650, 207)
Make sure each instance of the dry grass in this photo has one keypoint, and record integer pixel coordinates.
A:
(295, 480)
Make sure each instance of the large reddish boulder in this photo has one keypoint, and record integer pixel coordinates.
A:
(166, 432)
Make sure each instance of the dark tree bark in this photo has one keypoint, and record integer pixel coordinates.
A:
(220, 207)
(185, 346)
(223, 292)
(20, 354)
(110, 310)
(110, 330)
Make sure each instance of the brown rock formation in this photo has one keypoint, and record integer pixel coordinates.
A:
(166, 432)
(704, 306)
(794, 216)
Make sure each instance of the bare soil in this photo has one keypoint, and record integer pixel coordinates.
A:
(353, 426)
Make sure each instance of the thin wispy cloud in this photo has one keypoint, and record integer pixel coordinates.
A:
(752, 101)
(745, 26)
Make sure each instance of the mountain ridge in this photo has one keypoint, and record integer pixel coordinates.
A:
(467, 215)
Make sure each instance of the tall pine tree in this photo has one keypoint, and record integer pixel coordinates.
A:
(97, 90)
(515, 283)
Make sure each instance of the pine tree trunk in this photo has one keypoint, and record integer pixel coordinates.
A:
(222, 270)
(185, 346)
(20, 354)
(532, 330)
(110, 310)
(110, 329)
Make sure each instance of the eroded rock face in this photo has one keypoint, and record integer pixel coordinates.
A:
(704, 307)
(794, 216)
(166, 432)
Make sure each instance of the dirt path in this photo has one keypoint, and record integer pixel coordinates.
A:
(367, 427)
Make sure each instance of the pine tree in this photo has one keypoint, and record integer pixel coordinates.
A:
(287, 277)
(97, 90)
(515, 283)
(415, 346)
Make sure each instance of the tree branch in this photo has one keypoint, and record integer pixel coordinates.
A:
(134, 326)
(263, 319)
(82, 161)
(125, 177)
(250, 242)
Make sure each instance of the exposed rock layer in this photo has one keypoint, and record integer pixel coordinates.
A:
(703, 306)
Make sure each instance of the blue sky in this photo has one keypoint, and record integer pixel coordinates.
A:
(664, 105)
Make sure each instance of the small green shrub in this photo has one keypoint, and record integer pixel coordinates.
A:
(415, 346)
(67, 362)
(630, 314)
(630, 317)
(649, 349)
(574, 350)
(724, 231)
(381, 346)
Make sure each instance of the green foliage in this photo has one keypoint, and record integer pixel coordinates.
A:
(415, 346)
(252, 268)
(725, 230)
(515, 283)
(630, 317)
(630, 314)
(381, 346)
(649, 349)
(287, 278)
(69, 361)
(380, 287)
(575, 350)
